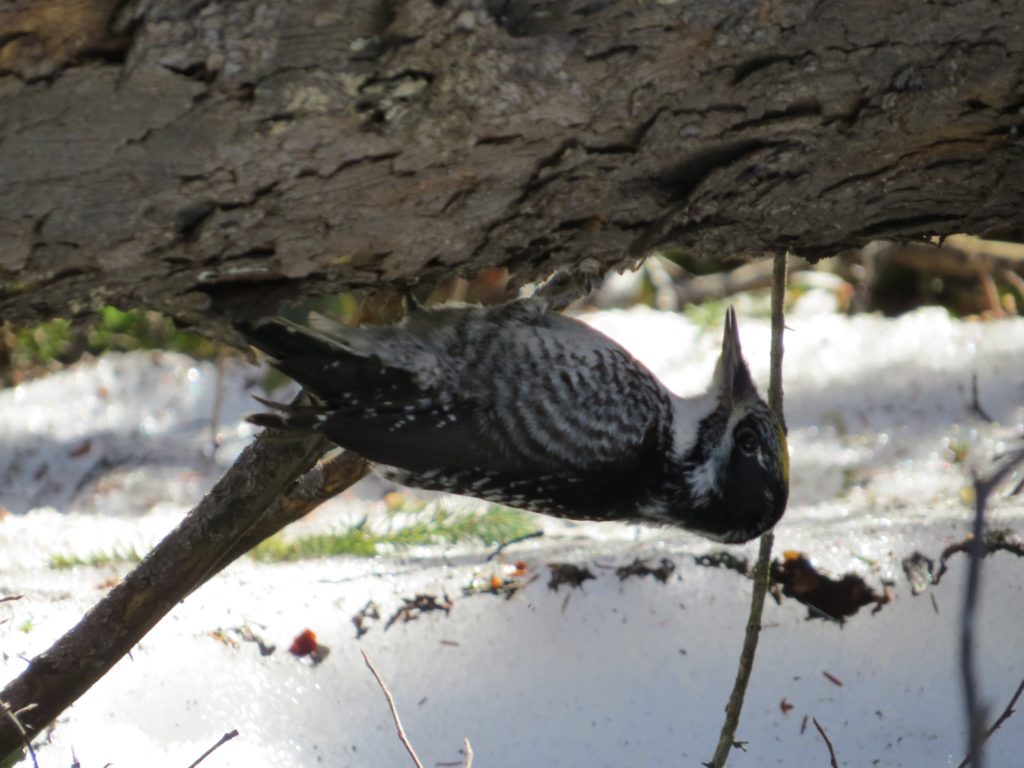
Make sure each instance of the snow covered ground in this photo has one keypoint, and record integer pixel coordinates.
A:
(108, 455)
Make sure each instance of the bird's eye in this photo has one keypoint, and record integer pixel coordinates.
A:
(746, 439)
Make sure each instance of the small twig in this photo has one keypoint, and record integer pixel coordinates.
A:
(469, 750)
(1015, 280)
(975, 711)
(983, 268)
(223, 740)
(394, 712)
(832, 678)
(779, 271)
(501, 547)
(13, 717)
(995, 726)
(831, 752)
(976, 402)
(727, 737)
(660, 272)
(9, 598)
(719, 285)
(218, 401)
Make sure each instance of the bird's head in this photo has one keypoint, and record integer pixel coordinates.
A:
(737, 466)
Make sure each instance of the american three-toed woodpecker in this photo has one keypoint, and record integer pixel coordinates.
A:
(522, 406)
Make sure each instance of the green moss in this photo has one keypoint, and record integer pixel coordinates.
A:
(143, 330)
(16, 289)
(117, 556)
(433, 525)
(959, 450)
(32, 351)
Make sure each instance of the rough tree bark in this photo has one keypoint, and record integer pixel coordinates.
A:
(199, 157)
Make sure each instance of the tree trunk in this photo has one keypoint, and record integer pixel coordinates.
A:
(204, 157)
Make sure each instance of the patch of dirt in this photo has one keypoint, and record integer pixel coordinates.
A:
(825, 597)
(248, 635)
(568, 573)
(638, 567)
(414, 607)
(723, 559)
(362, 618)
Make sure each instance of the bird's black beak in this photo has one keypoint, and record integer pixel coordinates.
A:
(732, 377)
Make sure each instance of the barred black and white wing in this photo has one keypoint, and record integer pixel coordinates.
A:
(510, 404)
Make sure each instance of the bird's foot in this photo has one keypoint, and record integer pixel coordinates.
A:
(567, 286)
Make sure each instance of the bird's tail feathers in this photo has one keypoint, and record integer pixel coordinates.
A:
(322, 357)
(349, 367)
(279, 337)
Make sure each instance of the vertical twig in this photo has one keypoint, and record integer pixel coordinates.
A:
(764, 555)
(974, 710)
(1016, 281)
(983, 267)
(218, 401)
(394, 712)
(779, 271)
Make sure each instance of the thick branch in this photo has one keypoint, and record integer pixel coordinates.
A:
(327, 479)
(178, 564)
(217, 158)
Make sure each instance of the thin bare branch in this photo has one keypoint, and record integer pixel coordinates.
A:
(1015, 280)
(975, 711)
(995, 726)
(183, 559)
(223, 740)
(833, 763)
(394, 712)
(983, 269)
(719, 285)
(469, 753)
(780, 269)
(727, 737)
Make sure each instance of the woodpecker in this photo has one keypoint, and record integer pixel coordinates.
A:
(520, 405)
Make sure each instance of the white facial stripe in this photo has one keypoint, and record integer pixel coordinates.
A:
(762, 459)
(702, 480)
(687, 414)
